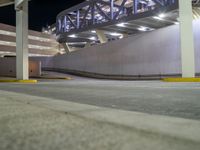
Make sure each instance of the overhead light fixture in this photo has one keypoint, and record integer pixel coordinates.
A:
(72, 36)
(121, 36)
(53, 29)
(115, 34)
(46, 31)
(121, 24)
(142, 28)
(159, 17)
(92, 38)
(77, 43)
(176, 23)
(93, 31)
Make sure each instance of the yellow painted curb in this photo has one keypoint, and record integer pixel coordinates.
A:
(181, 79)
(18, 81)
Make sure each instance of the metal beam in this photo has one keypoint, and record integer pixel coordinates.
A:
(62, 35)
(6, 2)
(97, 14)
(101, 36)
(66, 47)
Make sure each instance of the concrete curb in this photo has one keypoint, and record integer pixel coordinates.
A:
(182, 80)
(18, 81)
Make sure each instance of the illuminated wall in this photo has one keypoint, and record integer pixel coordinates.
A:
(152, 53)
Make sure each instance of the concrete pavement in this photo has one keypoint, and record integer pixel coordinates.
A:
(99, 114)
(32, 122)
(153, 97)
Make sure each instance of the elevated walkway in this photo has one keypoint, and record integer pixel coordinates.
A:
(105, 15)
(79, 26)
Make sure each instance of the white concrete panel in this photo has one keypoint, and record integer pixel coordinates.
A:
(8, 67)
(22, 40)
(187, 40)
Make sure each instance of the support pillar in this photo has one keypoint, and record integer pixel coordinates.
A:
(125, 35)
(187, 39)
(87, 45)
(22, 64)
(102, 37)
(66, 47)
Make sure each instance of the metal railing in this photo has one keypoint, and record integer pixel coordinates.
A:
(196, 3)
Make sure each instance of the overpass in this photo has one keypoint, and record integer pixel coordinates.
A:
(125, 17)
(129, 15)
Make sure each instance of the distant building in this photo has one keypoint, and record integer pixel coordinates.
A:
(40, 44)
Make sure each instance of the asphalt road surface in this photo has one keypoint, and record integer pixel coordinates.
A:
(152, 97)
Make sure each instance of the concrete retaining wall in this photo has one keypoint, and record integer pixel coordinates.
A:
(153, 53)
(8, 67)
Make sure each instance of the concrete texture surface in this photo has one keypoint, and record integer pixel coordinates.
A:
(153, 97)
(121, 115)
(36, 123)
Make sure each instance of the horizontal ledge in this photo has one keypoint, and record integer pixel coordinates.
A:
(55, 78)
(18, 81)
(181, 79)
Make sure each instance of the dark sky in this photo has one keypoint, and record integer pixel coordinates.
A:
(41, 12)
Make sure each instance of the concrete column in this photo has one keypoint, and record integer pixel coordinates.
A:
(187, 39)
(21, 7)
(87, 45)
(125, 35)
(66, 47)
(102, 37)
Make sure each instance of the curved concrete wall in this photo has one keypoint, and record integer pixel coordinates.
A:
(152, 53)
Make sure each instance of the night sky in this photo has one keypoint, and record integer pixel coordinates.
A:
(41, 12)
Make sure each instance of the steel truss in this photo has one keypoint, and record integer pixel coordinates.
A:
(196, 3)
(93, 14)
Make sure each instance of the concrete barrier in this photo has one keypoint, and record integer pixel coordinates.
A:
(156, 53)
(8, 67)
